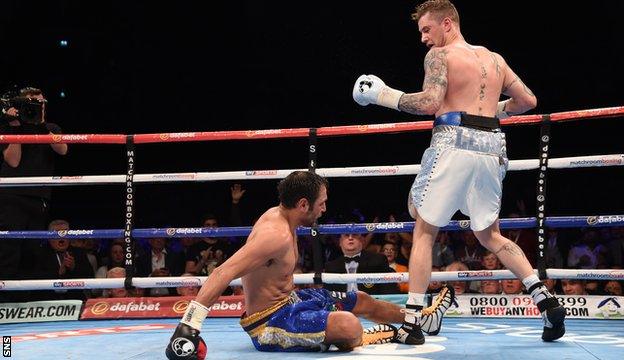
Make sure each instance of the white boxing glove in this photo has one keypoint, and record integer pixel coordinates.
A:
(369, 89)
(500, 110)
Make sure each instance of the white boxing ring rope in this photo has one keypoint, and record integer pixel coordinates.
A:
(301, 279)
(359, 171)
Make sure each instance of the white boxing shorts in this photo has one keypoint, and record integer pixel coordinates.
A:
(463, 169)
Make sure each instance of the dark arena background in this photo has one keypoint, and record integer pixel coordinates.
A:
(126, 67)
(160, 67)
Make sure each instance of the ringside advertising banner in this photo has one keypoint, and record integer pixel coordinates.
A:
(157, 307)
(36, 311)
(521, 306)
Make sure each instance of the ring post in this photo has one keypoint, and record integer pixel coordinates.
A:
(317, 251)
(541, 195)
(129, 197)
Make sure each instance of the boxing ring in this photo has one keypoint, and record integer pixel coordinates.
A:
(503, 338)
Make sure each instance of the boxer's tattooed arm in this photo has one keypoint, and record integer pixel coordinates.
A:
(524, 87)
(505, 88)
(510, 248)
(498, 72)
(429, 100)
(527, 90)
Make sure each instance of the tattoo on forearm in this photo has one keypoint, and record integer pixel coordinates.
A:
(527, 90)
(510, 248)
(524, 87)
(418, 103)
(505, 88)
(434, 85)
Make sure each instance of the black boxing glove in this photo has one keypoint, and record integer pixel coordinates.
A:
(186, 344)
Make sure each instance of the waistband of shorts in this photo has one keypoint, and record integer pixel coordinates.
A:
(461, 118)
(249, 323)
(463, 138)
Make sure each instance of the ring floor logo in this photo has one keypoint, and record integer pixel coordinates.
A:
(394, 351)
(592, 337)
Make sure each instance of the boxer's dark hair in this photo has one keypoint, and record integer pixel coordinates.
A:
(438, 8)
(298, 185)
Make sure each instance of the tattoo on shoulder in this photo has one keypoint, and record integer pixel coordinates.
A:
(434, 85)
(435, 68)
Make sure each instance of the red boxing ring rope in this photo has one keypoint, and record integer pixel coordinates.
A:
(290, 133)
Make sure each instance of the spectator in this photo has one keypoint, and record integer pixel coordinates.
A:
(331, 248)
(377, 242)
(57, 260)
(392, 238)
(116, 272)
(526, 239)
(236, 219)
(461, 287)
(90, 248)
(511, 286)
(208, 253)
(490, 287)
(553, 253)
(119, 272)
(490, 261)
(185, 245)
(613, 287)
(237, 290)
(593, 287)
(434, 286)
(159, 263)
(24, 208)
(354, 260)
(551, 285)
(187, 290)
(405, 251)
(585, 253)
(390, 251)
(573, 287)
(616, 247)
(470, 252)
(114, 259)
(442, 255)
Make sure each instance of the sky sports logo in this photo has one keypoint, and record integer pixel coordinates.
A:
(6, 346)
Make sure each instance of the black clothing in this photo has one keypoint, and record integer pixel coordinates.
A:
(37, 159)
(24, 208)
(46, 266)
(368, 263)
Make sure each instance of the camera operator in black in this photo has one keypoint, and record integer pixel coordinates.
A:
(24, 208)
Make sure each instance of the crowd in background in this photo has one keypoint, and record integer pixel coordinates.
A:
(61, 258)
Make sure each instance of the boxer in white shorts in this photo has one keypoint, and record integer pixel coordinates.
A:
(462, 170)
(466, 162)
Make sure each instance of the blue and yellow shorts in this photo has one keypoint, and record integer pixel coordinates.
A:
(298, 322)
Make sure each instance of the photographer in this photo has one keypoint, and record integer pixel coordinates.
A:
(24, 208)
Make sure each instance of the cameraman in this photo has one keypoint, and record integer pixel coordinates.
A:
(24, 208)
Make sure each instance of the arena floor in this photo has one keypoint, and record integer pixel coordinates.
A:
(461, 338)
